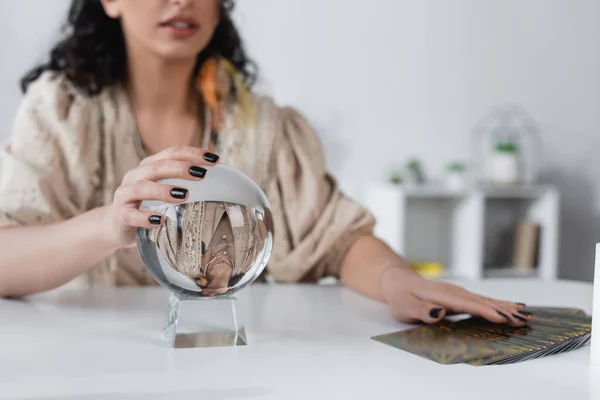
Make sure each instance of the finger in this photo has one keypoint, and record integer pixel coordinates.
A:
(146, 190)
(512, 318)
(414, 310)
(136, 218)
(461, 301)
(521, 315)
(513, 307)
(518, 306)
(509, 310)
(193, 155)
(165, 169)
(509, 318)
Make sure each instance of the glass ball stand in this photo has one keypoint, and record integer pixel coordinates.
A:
(203, 323)
(207, 249)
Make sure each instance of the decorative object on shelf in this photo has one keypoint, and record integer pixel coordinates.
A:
(208, 248)
(396, 178)
(428, 269)
(526, 243)
(507, 147)
(456, 178)
(415, 172)
(504, 163)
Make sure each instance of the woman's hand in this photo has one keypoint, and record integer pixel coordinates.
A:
(122, 218)
(414, 299)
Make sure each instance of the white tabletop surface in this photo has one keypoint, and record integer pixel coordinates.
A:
(306, 342)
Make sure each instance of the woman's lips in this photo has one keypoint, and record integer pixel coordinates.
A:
(180, 27)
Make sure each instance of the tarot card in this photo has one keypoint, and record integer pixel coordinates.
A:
(476, 341)
(546, 334)
(439, 343)
(556, 310)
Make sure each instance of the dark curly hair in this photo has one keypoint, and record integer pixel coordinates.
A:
(92, 54)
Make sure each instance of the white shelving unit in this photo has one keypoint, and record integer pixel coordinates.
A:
(468, 231)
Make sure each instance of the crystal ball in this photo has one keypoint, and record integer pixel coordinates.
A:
(215, 243)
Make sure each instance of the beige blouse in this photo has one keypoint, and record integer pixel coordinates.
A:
(69, 152)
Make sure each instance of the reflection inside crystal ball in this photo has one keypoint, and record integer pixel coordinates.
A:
(207, 248)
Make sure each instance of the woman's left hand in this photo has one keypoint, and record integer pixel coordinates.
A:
(414, 299)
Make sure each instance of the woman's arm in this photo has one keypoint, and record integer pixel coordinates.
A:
(372, 268)
(40, 258)
(320, 232)
(364, 264)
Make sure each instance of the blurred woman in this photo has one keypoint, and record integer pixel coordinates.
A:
(133, 95)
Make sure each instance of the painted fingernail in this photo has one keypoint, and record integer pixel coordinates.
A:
(155, 219)
(198, 172)
(519, 318)
(435, 312)
(525, 313)
(501, 313)
(179, 193)
(210, 157)
(521, 304)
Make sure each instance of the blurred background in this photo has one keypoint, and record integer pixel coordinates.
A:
(431, 112)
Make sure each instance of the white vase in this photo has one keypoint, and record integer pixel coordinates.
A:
(503, 168)
(455, 181)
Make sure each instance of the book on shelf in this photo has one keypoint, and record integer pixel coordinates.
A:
(526, 244)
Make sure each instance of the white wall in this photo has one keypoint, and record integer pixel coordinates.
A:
(28, 28)
(383, 80)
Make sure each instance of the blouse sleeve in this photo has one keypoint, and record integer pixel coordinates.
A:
(45, 171)
(315, 224)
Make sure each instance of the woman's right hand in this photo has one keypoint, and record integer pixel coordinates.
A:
(122, 218)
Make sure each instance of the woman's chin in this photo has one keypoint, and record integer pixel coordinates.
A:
(178, 52)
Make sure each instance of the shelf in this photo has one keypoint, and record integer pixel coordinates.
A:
(511, 272)
(508, 272)
(432, 192)
(488, 191)
(514, 191)
(468, 228)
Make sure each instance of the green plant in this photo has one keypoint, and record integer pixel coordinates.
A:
(396, 178)
(457, 167)
(414, 164)
(507, 147)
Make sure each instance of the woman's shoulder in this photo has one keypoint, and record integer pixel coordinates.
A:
(288, 120)
(53, 98)
(55, 119)
(292, 126)
(285, 132)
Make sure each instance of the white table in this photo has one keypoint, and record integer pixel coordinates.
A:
(306, 342)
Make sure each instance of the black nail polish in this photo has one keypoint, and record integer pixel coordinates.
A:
(521, 304)
(501, 313)
(179, 193)
(198, 172)
(525, 313)
(155, 219)
(519, 318)
(435, 312)
(210, 157)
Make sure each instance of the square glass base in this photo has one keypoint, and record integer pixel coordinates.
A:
(197, 322)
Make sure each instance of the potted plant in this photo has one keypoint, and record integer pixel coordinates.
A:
(415, 172)
(396, 178)
(455, 175)
(504, 163)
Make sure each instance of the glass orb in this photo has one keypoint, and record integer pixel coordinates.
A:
(215, 243)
